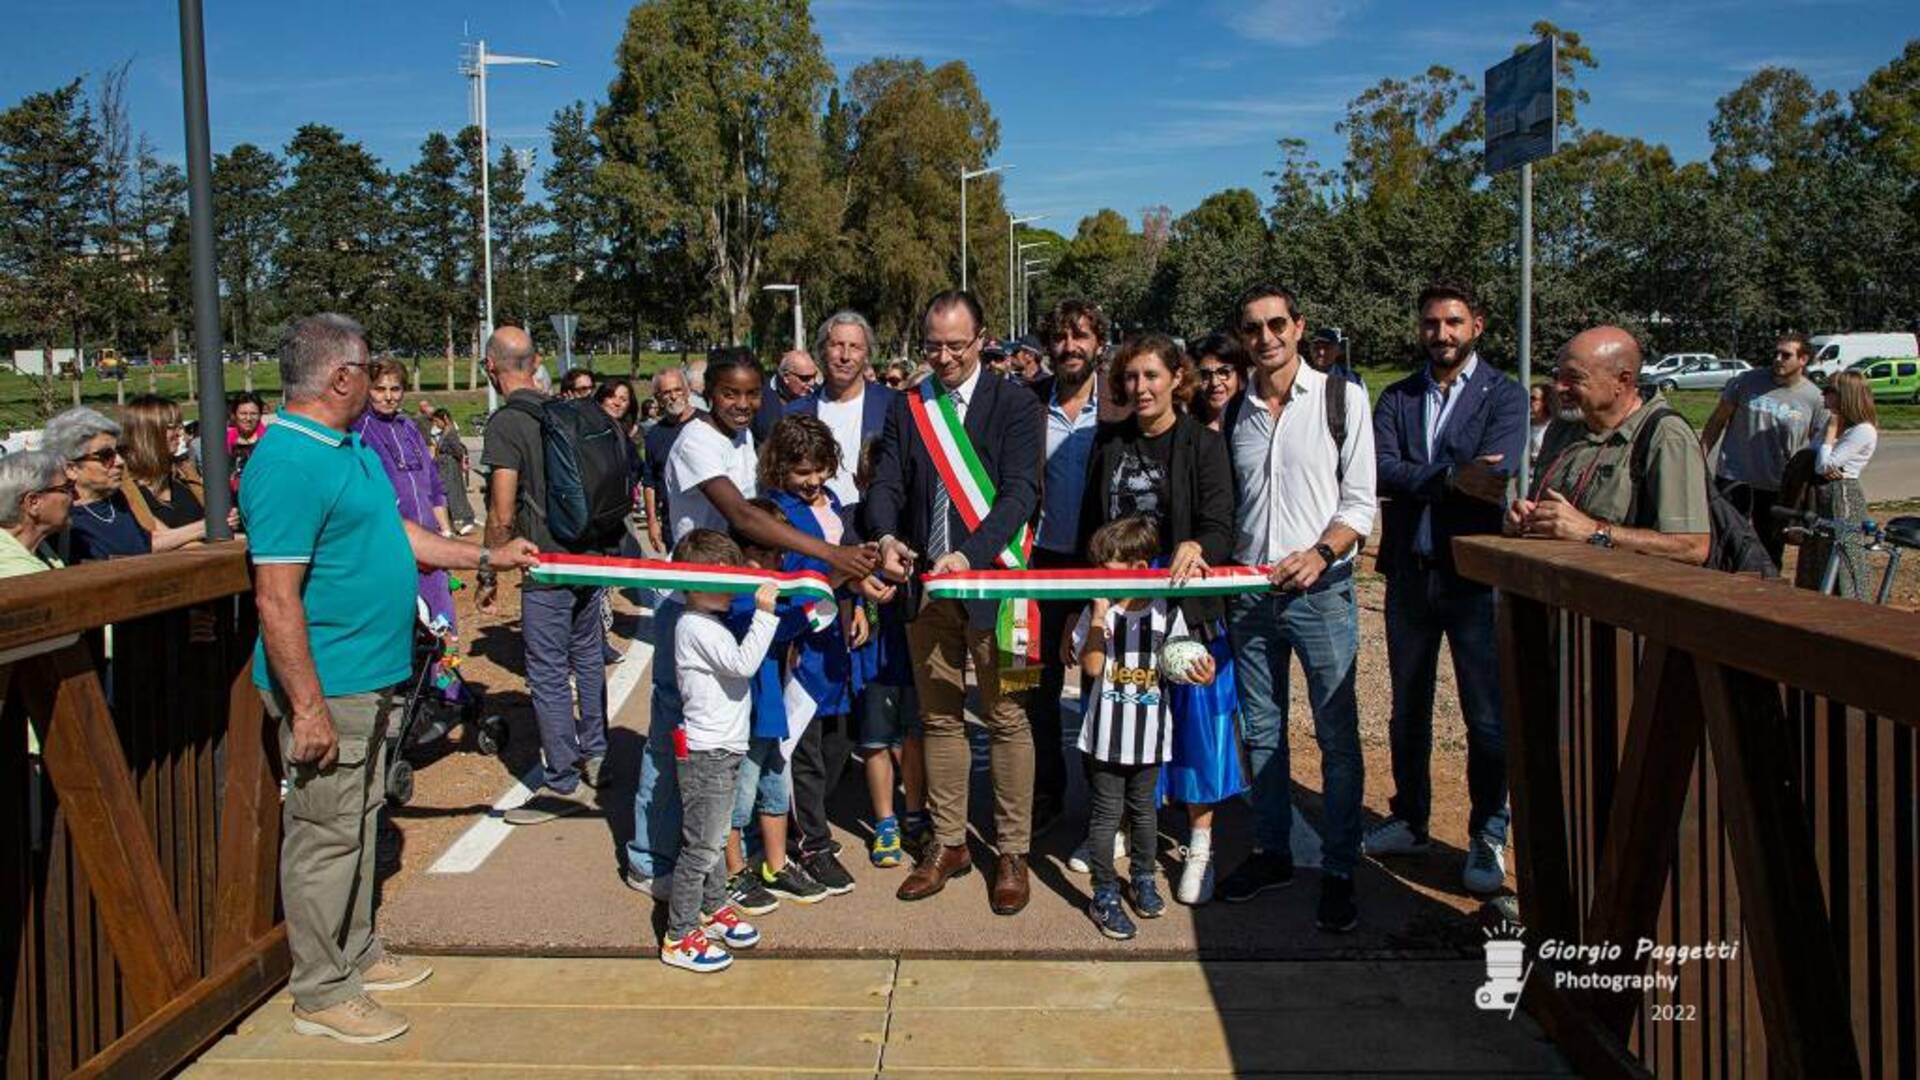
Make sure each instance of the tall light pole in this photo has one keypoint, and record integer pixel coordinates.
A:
(799, 334)
(1020, 256)
(1013, 285)
(966, 175)
(474, 67)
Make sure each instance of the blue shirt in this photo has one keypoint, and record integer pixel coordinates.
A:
(105, 529)
(769, 690)
(320, 498)
(1069, 442)
(1440, 401)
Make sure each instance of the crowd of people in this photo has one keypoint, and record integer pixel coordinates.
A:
(1256, 446)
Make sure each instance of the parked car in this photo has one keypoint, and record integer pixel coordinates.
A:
(1897, 379)
(1698, 375)
(1838, 352)
(1671, 363)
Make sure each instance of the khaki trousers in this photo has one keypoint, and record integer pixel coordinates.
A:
(328, 830)
(941, 643)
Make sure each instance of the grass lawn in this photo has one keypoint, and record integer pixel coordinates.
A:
(20, 395)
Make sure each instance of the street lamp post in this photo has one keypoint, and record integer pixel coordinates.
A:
(1021, 261)
(799, 334)
(966, 175)
(1013, 285)
(475, 69)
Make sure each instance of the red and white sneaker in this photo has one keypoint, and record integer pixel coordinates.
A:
(695, 952)
(727, 925)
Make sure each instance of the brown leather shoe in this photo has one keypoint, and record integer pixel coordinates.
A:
(932, 872)
(1010, 888)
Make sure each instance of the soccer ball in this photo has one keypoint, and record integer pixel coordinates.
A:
(1179, 657)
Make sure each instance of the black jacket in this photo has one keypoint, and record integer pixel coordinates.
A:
(1008, 431)
(1199, 489)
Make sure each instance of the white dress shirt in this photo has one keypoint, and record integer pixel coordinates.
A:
(1286, 473)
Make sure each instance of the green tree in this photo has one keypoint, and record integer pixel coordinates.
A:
(48, 153)
(246, 203)
(710, 128)
(516, 239)
(161, 261)
(336, 228)
(436, 218)
(576, 245)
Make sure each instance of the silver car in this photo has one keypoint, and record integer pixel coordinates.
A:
(1701, 375)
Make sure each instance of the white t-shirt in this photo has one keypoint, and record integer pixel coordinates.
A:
(844, 420)
(700, 454)
(715, 676)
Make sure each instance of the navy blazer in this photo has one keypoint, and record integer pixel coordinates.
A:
(1008, 429)
(875, 404)
(1491, 418)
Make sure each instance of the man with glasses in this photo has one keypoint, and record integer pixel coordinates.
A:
(676, 410)
(576, 384)
(1766, 415)
(1306, 501)
(793, 381)
(916, 505)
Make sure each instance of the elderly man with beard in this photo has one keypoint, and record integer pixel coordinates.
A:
(1075, 332)
(1446, 438)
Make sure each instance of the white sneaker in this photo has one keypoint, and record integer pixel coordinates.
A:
(1486, 869)
(1081, 861)
(1196, 877)
(1394, 837)
(660, 888)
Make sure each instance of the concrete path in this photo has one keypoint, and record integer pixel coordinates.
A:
(1894, 472)
(917, 1018)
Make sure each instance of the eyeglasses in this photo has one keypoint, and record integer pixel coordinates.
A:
(104, 457)
(69, 489)
(1215, 374)
(668, 395)
(935, 349)
(1250, 329)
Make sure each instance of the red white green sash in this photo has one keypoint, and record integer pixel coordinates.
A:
(611, 571)
(1085, 584)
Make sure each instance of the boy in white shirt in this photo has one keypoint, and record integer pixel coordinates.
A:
(715, 674)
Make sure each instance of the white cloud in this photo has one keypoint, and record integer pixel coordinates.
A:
(1287, 22)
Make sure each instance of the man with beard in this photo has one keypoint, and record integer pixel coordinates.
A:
(334, 580)
(1446, 439)
(1075, 332)
(916, 505)
(1767, 415)
(1303, 468)
(671, 391)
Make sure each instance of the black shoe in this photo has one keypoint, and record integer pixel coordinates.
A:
(793, 883)
(1263, 870)
(1337, 913)
(749, 896)
(822, 867)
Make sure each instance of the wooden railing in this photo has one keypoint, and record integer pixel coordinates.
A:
(1697, 757)
(139, 852)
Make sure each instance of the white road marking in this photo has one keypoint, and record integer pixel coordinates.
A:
(466, 854)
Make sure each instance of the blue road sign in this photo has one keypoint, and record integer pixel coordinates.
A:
(1521, 121)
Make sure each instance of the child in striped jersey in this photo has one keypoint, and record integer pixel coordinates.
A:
(1126, 729)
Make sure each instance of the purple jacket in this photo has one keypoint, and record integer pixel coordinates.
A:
(417, 488)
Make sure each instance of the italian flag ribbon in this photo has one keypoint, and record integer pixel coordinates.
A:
(616, 572)
(971, 489)
(1086, 584)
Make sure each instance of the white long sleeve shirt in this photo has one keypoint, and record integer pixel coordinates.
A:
(1849, 453)
(715, 673)
(1286, 475)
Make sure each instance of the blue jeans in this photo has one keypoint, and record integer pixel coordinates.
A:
(762, 786)
(564, 636)
(1323, 626)
(1422, 605)
(656, 800)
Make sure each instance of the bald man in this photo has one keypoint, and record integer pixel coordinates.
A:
(559, 624)
(797, 376)
(1585, 488)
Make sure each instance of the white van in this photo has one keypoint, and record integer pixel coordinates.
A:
(1834, 353)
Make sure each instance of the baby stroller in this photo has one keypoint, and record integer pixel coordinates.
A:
(437, 699)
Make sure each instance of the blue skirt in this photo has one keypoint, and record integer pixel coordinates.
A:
(1205, 768)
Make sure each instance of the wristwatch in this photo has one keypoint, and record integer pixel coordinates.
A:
(1325, 551)
(1602, 535)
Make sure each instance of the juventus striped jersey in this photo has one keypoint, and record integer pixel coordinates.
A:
(1125, 718)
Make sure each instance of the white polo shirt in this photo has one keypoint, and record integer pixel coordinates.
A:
(1285, 473)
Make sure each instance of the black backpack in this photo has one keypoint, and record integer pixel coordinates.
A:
(1336, 418)
(587, 467)
(1736, 546)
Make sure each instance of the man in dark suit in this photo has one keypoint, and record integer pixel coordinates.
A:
(1447, 438)
(850, 404)
(912, 509)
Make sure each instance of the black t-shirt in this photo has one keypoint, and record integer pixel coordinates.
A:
(1139, 482)
(513, 440)
(181, 508)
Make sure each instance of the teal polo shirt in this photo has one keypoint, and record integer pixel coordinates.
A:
(320, 497)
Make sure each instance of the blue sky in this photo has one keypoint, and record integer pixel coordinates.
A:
(1121, 103)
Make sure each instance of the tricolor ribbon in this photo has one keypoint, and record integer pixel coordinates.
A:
(615, 572)
(1085, 584)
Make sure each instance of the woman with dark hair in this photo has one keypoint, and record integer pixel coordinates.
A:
(1220, 371)
(616, 397)
(450, 457)
(396, 440)
(246, 421)
(1167, 465)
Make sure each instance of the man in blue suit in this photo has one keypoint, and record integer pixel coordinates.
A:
(1447, 439)
(853, 407)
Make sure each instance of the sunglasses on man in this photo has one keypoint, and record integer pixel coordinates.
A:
(1250, 329)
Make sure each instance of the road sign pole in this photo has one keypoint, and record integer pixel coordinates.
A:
(1526, 300)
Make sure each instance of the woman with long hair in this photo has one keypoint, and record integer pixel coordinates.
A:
(1220, 365)
(1839, 456)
